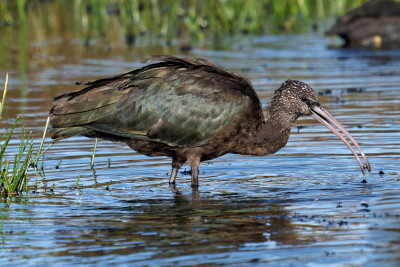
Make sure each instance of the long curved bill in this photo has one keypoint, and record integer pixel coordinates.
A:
(319, 113)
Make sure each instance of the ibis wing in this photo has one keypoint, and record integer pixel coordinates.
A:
(180, 108)
(179, 102)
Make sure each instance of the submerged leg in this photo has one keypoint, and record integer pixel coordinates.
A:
(176, 165)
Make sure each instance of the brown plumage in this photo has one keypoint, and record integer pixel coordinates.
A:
(187, 109)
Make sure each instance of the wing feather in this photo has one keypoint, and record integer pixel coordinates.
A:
(179, 102)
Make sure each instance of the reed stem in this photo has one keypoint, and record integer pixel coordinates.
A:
(93, 155)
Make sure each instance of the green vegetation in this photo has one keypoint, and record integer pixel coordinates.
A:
(93, 155)
(108, 185)
(58, 164)
(168, 20)
(88, 28)
(4, 97)
(2, 223)
(77, 181)
(14, 172)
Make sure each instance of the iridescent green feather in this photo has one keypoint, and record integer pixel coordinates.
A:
(179, 102)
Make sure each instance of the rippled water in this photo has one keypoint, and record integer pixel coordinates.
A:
(304, 205)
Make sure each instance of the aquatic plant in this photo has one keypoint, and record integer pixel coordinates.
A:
(14, 172)
(168, 20)
(77, 181)
(93, 155)
(4, 96)
(108, 185)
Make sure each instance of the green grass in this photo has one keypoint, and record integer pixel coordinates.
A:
(14, 171)
(93, 155)
(58, 164)
(91, 27)
(108, 185)
(137, 21)
(4, 97)
(2, 223)
(77, 181)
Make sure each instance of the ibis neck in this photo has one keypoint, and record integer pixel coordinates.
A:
(274, 132)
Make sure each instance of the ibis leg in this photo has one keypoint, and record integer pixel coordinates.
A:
(176, 165)
(194, 164)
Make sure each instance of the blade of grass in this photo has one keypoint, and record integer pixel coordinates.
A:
(41, 154)
(18, 156)
(4, 96)
(20, 168)
(26, 184)
(4, 146)
(7, 186)
(93, 155)
(94, 176)
(58, 164)
(77, 181)
(41, 143)
(15, 168)
(23, 173)
(108, 185)
(42, 166)
(2, 223)
(21, 10)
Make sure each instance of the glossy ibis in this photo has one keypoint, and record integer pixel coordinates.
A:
(190, 110)
(375, 24)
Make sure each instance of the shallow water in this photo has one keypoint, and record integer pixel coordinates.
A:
(304, 205)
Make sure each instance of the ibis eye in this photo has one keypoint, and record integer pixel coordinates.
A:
(304, 99)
